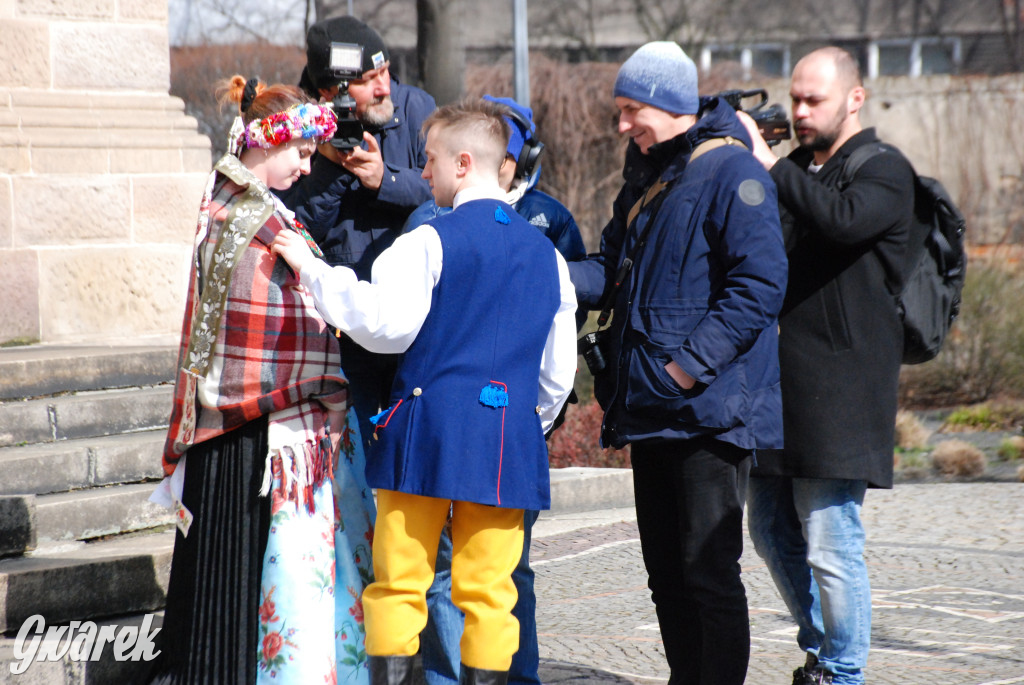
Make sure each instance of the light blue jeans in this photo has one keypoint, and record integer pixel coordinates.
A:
(809, 533)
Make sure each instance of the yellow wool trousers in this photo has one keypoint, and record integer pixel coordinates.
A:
(486, 545)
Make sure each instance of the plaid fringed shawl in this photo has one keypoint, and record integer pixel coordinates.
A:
(252, 341)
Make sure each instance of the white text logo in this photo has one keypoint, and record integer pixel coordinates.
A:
(81, 641)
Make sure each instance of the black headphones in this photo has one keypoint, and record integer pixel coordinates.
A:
(529, 156)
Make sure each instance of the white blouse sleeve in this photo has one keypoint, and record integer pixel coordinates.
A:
(385, 314)
(558, 364)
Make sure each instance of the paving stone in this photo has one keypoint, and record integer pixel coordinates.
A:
(946, 562)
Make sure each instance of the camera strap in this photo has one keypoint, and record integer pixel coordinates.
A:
(627, 264)
(652, 192)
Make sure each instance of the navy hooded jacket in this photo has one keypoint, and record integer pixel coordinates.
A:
(705, 292)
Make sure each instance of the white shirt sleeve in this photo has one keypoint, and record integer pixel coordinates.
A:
(384, 315)
(558, 364)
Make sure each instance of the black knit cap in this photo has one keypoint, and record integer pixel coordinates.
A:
(346, 29)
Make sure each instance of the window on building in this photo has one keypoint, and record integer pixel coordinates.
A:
(939, 57)
(894, 59)
(770, 61)
(913, 57)
(762, 59)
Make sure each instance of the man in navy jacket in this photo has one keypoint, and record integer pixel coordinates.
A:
(692, 377)
(355, 203)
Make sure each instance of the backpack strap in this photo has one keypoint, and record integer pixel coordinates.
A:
(856, 160)
(653, 192)
(712, 143)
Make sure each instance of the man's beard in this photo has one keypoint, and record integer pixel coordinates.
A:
(378, 113)
(823, 140)
(819, 141)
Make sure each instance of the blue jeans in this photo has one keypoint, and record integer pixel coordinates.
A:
(439, 641)
(809, 533)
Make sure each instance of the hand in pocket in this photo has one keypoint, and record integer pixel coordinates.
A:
(682, 379)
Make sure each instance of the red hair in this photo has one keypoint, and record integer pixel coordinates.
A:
(268, 99)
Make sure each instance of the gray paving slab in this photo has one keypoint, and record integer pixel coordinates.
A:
(947, 567)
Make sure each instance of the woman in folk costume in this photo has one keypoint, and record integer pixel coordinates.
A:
(264, 468)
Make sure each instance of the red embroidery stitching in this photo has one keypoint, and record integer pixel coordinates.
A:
(501, 448)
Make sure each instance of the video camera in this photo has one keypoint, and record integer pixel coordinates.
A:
(346, 64)
(770, 119)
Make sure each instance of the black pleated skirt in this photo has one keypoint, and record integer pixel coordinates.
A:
(210, 631)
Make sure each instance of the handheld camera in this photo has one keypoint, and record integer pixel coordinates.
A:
(346, 64)
(592, 347)
(770, 119)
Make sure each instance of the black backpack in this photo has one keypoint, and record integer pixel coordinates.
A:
(936, 262)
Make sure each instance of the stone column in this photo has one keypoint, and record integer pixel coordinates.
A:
(101, 173)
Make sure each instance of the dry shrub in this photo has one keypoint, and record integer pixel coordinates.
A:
(958, 458)
(575, 443)
(1012, 448)
(195, 72)
(984, 354)
(910, 432)
(577, 121)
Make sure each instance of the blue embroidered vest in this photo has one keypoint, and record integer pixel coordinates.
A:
(463, 421)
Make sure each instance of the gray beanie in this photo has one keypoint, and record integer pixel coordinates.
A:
(660, 74)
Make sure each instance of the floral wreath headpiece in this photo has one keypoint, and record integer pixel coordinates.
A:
(306, 120)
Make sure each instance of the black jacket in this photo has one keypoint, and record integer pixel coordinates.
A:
(841, 340)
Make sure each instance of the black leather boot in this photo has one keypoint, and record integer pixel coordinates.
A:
(478, 676)
(804, 674)
(392, 670)
(811, 673)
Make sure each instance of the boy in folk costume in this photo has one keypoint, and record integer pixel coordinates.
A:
(481, 305)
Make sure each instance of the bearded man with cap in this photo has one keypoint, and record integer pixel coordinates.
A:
(354, 203)
(692, 372)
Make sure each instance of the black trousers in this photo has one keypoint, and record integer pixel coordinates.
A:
(689, 505)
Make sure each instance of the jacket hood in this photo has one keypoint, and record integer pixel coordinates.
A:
(717, 119)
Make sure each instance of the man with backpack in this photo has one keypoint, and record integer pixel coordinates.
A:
(840, 350)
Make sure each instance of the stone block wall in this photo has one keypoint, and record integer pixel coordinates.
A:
(101, 173)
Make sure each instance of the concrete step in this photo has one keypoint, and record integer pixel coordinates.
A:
(84, 415)
(117, 577)
(85, 463)
(17, 524)
(39, 370)
(105, 670)
(97, 512)
(28, 522)
(578, 489)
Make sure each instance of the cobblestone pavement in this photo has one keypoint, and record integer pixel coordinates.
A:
(947, 570)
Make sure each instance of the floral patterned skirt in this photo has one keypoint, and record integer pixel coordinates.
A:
(298, 616)
(314, 570)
